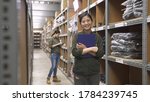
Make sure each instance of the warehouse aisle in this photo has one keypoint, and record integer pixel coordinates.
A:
(41, 66)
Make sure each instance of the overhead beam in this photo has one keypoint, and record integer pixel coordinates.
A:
(43, 13)
(46, 7)
(38, 21)
(38, 17)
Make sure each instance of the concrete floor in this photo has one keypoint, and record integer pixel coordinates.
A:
(41, 67)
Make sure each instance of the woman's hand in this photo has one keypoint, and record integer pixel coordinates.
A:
(90, 50)
(80, 46)
(94, 49)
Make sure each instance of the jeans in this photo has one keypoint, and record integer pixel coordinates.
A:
(55, 57)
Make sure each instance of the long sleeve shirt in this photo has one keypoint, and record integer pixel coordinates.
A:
(53, 41)
(87, 66)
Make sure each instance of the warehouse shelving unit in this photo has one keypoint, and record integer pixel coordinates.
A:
(15, 42)
(65, 60)
(37, 40)
(128, 71)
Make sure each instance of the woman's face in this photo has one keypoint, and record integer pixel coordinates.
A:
(86, 23)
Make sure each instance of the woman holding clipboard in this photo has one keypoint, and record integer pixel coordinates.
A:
(87, 49)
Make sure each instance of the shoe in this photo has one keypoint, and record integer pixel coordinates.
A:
(55, 79)
(48, 81)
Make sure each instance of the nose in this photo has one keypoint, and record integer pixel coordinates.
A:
(86, 22)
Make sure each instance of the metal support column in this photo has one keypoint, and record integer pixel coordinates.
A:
(106, 42)
(8, 42)
(88, 3)
(144, 43)
(30, 42)
(68, 41)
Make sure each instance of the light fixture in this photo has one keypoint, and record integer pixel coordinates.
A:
(41, 2)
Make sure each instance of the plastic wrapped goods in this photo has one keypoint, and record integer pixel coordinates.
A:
(127, 48)
(120, 42)
(126, 36)
(133, 9)
(126, 45)
(128, 55)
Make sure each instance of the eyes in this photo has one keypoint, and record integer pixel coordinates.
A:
(86, 20)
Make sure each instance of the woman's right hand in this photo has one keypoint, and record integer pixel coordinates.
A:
(80, 46)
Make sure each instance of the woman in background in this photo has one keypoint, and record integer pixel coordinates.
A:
(54, 44)
(87, 49)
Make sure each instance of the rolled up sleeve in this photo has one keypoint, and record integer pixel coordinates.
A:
(50, 42)
(100, 51)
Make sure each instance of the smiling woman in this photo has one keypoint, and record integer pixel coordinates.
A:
(87, 49)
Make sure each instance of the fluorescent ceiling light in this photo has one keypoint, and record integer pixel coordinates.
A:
(41, 2)
(36, 2)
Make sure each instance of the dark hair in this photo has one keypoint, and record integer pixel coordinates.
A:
(83, 15)
(56, 32)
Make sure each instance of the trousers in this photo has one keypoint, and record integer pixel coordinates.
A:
(55, 57)
(87, 80)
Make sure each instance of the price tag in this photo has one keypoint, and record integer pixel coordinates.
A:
(119, 24)
(119, 60)
(108, 27)
(125, 23)
(100, 28)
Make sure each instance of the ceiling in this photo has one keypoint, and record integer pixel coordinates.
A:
(42, 10)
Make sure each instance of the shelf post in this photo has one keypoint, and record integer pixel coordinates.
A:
(68, 41)
(30, 41)
(106, 42)
(144, 43)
